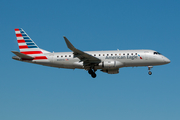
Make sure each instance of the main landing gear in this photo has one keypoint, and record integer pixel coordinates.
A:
(149, 68)
(92, 73)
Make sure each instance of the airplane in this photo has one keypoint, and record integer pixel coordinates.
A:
(106, 61)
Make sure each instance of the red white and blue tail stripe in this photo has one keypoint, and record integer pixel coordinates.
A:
(28, 47)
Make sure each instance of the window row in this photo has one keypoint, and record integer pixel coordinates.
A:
(63, 56)
(114, 54)
(100, 55)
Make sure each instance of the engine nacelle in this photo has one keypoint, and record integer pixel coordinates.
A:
(109, 71)
(111, 64)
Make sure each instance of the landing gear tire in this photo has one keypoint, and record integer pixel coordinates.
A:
(93, 75)
(149, 68)
(150, 73)
(90, 71)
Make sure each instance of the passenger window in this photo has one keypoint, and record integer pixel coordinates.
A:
(57, 56)
(120, 54)
(107, 54)
(136, 54)
(123, 53)
(103, 54)
(65, 55)
(111, 54)
(61, 55)
(115, 54)
(131, 53)
(99, 54)
(94, 54)
(128, 54)
(69, 55)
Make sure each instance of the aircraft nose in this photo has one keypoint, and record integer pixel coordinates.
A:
(166, 60)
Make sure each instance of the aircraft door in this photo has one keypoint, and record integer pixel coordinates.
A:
(146, 56)
(51, 58)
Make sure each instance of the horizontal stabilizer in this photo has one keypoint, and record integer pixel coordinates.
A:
(22, 56)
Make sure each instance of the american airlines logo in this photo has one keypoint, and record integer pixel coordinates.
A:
(139, 56)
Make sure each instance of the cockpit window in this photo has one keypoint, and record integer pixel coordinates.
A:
(157, 53)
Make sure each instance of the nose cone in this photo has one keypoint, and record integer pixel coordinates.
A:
(166, 60)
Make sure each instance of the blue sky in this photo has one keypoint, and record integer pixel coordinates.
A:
(34, 92)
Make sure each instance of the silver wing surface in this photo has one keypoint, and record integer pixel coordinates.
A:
(87, 59)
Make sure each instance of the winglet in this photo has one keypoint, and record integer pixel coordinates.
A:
(69, 45)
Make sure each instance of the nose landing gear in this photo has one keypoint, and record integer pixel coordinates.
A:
(150, 73)
(149, 68)
(92, 73)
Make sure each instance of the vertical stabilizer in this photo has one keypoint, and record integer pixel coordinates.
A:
(27, 46)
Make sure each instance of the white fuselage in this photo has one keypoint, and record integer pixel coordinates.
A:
(107, 61)
(113, 59)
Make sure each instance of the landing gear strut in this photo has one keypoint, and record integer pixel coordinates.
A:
(149, 68)
(92, 73)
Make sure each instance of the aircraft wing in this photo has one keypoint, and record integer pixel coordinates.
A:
(85, 57)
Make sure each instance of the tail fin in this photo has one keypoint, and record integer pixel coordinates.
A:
(27, 46)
